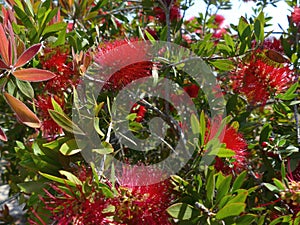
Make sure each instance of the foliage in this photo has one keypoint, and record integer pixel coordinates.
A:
(49, 120)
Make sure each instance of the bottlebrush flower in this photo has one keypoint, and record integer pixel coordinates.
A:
(174, 12)
(120, 54)
(75, 208)
(258, 80)
(140, 111)
(192, 90)
(234, 141)
(144, 201)
(56, 60)
(49, 127)
(296, 15)
(219, 19)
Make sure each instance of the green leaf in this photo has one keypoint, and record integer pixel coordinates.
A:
(233, 209)
(223, 64)
(265, 133)
(71, 177)
(259, 27)
(224, 188)
(289, 94)
(107, 149)
(150, 37)
(69, 148)
(225, 153)
(96, 126)
(55, 28)
(202, 127)
(271, 187)
(26, 88)
(239, 181)
(279, 184)
(57, 179)
(210, 187)
(239, 198)
(195, 124)
(229, 41)
(63, 121)
(181, 211)
(32, 187)
(246, 219)
(56, 106)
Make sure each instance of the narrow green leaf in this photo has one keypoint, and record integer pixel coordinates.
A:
(239, 181)
(71, 177)
(181, 211)
(56, 106)
(69, 148)
(96, 126)
(26, 88)
(271, 187)
(233, 209)
(224, 188)
(57, 179)
(279, 184)
(225, 153)
(223, 64)
(240, 198)
(195, 124)
(63, 121)
(107, 149)
(55, 28)
(265, 133)
(210, 187)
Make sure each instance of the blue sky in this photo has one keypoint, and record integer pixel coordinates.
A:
(240, 8)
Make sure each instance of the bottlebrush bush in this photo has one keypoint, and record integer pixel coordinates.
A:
(64, 64)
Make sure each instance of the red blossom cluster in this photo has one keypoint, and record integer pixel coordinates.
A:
(174, 12)
(140, 111)
(122, 63)
(258, 80)
(57, 61)
(296, 15)
(234, 141)
(44, 103)
(220, 30)
(134, 204)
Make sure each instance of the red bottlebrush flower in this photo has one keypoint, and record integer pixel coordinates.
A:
(219, 33)
(192, 90)
(219, 19)
(49, 127)
(145, 200)
(56, 60)
(296, 15)
(120, 54)
(174, 13)
(234, 141)
(273, 44)
(77, 208)
(140, 112)
(258, 80)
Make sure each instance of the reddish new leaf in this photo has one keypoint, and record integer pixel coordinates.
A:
(27, 55)
(33, 75)
(4, 46)
(24, 114)
(2, 135)
(3, 65)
